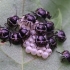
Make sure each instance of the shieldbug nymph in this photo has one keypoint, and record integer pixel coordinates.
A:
(65, 55)
(15, 38)
(25, 33)
(12, 21)
(41, 41)
(60, 35)
(41, 29)
(4, 33)
(43, 13)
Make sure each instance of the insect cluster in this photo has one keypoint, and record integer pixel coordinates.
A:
(34, 31)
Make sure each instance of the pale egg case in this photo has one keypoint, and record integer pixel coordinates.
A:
(29, 44)
(31, 47)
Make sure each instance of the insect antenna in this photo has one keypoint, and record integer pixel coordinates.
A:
(58, 52)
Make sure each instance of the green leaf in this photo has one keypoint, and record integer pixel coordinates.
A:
(14, 57)
(7, 63)
(57, 20)
(14, 52)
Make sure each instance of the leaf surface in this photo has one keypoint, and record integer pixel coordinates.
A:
(60, 12)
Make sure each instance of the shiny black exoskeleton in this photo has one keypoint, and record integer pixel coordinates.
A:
(4, 33)
(50, 26)
(60, 35)
(41, 29)
(52, 43)
(24, 33)
(42, 13)
(30, 17)
(15, 38)
(65, 55)
(12, 21)
(41, 41)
